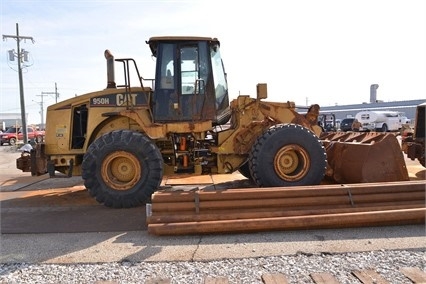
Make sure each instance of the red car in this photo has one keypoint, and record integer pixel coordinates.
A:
(13, 134)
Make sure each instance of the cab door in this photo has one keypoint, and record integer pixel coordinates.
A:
(182, 81)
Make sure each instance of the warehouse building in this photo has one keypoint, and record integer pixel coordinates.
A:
(408, 108)
(9, 119)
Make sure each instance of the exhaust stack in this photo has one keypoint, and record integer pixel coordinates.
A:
(110, 69)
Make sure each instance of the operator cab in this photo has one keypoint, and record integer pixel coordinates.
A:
(190, 80)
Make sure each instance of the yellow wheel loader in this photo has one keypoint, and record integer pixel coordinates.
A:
(124, 139)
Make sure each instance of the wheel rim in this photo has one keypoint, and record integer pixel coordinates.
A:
(291, 162)
(121, 170)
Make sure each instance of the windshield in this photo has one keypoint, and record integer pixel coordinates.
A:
(11, 130)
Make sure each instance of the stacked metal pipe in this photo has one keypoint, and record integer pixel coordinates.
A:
(286, 208)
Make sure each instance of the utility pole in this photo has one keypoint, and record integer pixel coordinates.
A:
(56, 93)
(21, 84)
(53, 93)
(42, 110)
(42, 107)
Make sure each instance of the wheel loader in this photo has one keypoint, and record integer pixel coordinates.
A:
(124, 139)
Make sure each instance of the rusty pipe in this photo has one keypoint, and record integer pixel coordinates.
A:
(110, 69)
(320, 221)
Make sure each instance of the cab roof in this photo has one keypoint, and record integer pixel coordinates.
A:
(153, 41)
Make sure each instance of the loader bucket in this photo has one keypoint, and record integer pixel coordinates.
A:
(358, 157)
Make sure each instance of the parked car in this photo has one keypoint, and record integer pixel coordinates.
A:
(7, 135)
(13, 134)
(346, 124)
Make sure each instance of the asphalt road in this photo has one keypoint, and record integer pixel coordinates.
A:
(55, 221)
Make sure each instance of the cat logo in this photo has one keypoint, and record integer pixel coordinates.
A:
(123, 99)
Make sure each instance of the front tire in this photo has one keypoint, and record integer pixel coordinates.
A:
(122, 169)
(287, 155)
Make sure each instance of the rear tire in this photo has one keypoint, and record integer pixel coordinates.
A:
(422, 157)
(122, 169)
(287, 155)
(384, 128)
(245, 170)
(12, 142)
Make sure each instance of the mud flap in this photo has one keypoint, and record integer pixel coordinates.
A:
(358, 157)
(34, 162)
(38, 160)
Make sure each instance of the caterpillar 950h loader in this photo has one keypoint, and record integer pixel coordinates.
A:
(122, 140)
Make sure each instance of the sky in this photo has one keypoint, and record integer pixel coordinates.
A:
(327, 52)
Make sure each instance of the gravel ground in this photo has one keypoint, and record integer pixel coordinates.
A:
(297, 268)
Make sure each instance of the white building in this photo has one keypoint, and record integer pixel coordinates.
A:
(10, 119)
